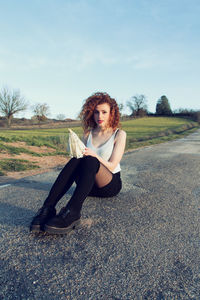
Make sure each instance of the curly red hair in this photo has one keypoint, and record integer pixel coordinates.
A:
(87, 112)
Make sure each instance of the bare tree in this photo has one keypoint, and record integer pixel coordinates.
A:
(41, 111)
(11, 102)
(121, 107)
(137, 105)
(60, 117)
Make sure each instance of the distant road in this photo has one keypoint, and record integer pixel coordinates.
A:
(142, 244)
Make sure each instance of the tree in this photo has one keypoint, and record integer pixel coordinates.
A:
(138, 105)
(41, 111)
(121, 107)
(163, 106)
(60, 117)
(11, 102)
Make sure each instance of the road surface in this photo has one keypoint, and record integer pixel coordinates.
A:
(142, 244)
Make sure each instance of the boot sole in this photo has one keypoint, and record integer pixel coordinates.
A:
(56, 230)
(36, 228)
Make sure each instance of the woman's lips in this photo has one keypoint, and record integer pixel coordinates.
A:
(100, 121)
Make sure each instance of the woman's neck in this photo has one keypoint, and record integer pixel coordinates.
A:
(103, 130)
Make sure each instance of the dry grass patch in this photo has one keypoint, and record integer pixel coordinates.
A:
(36, 149)
(45, 164)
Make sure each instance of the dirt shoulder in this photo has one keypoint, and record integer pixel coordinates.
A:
(45, 163)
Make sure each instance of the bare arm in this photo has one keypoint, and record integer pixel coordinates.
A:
(117, 153)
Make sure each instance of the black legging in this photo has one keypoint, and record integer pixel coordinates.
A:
(82, 171)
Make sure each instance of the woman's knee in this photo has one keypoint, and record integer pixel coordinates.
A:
(90, 162)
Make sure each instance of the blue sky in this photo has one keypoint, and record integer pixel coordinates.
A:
(62, 51)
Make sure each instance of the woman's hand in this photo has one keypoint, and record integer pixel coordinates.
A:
(90, 152)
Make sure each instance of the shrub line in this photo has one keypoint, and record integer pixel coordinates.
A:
(168, 132)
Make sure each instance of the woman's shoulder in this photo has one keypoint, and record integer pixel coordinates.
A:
(85, 137)
(120, 134)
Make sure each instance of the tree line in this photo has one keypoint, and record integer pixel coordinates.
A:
(12, 102)
(138, 106)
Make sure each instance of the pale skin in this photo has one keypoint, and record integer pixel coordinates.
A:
(101, 133)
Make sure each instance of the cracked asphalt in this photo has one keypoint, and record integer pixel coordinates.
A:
(142, 244)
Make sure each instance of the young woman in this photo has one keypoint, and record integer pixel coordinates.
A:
(97, 173)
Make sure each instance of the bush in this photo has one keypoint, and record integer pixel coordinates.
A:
(141, 113)
(192, 114)
(197, 116)
(3, 123)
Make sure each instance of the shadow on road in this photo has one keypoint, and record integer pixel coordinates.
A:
(15, 216)
(37, 185)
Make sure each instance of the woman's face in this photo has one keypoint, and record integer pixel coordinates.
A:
(102, 115)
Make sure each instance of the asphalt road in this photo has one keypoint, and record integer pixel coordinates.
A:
(142, 244)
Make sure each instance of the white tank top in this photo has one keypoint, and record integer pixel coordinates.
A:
(105, 151)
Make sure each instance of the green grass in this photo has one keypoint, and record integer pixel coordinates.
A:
(15, 165)
(137, 130)
(148, 131)
(31, 138)
(140, 132)
(18, 150)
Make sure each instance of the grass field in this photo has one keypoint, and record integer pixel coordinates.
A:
(154, 130)
(140, 132)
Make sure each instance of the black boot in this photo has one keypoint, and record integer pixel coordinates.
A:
(42, 216)
(64, 222)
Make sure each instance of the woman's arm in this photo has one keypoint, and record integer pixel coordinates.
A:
(117, 153)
